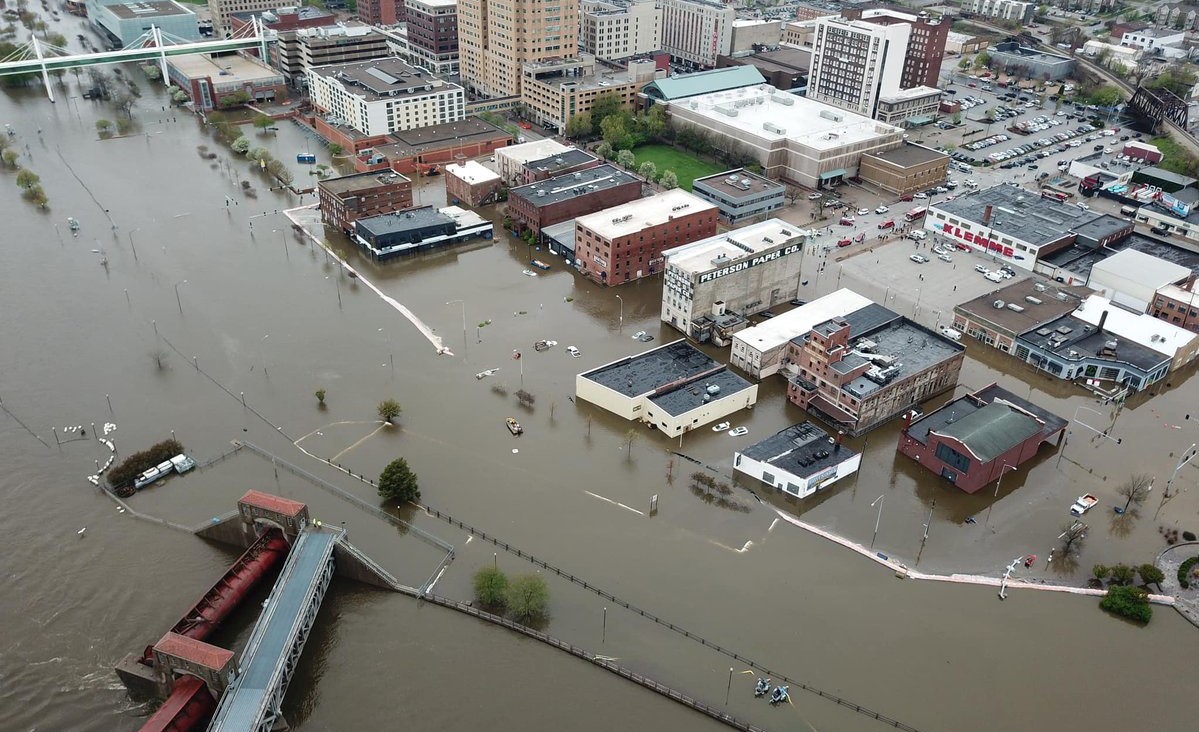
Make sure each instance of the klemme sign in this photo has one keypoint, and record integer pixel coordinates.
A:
(776, 254)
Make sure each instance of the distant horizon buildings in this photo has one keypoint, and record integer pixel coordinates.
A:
(695, 32)
(496, 38)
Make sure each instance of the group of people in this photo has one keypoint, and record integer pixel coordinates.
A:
(778, 696)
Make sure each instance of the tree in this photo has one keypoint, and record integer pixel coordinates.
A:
(388, 410)
(1135, 489)
(669, 180)
(964, 63)
(579, 126)
(491, 588)
(9, 156)
(1128, 602)
(27, 179)
(528, 598)
(159, 357)
(613, 129)
(241, 145)
(320, 396)
(397, 482)
(648, 170)
(37, 196)
(654, 122)
(981, 60)
(1100, 572)
(179, 96)
(124, 100)
(604, 150)
(1151, 575)
(262, 122)
(259, 154)
(103, 126)
(1072, 536)
(233, 99)
(152, 72)
(626, 159)
(284, 175)
(125, 126)
(957, 118)
(604, 106)
(1122, 574)
(335, 149)
(629, 438)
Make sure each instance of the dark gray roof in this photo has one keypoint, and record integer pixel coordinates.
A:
(802, 449)
(861, 321)
(910, 154)
(356, 182)
(685, 397)
(561, 161)
(1079, 259)
(571, 185)
(398, 221)
(1031, 315)
(1102, 227)
(916, 348)
(676, 362)
(1089, 342)
(1019, 213)
(991, 431)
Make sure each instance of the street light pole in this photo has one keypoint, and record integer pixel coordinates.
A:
(462, 303)
(262, 354)
(1186, 458)
(1074, 420)
(878, 519)
(620, 327)
(131, 246)
(178, 301)
(998, 483)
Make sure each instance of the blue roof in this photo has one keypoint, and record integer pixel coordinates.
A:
(703, 82)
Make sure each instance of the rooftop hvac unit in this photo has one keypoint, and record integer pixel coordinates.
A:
(834, 116)
(541, 194)
(1033, 300)
(773, 128)
(1064, 329)
(1073, 353)
(1038, 287)
(998, 304)
(725, 110)
(1062, 296)
(1112, 345)
(1014, 307)
(713, 388)
(784, 99)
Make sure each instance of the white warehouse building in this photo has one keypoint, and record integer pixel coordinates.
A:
(385, 95)
(799, 461)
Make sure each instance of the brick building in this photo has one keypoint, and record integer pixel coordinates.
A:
(1177, 304)
(971, 440)
(346, 199)
(471, 183)
(381, 12)
(905, 169)
(433, 33)
(554, 200)
(285, 54)
(868, 367)
(441, 144)
(926, 43)
(563, 163)
(626, 242)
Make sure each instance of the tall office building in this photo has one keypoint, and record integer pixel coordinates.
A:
(380, 12)
(497, 37)
(695, 32)
(618, 29)
(926, 46)
(433, 34)
(221, 9)
(855, 63)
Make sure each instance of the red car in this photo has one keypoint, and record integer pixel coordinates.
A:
(525, 125)
(846, 221)
(888, 224)
(962, 247)
(844, 243)
(906, 197)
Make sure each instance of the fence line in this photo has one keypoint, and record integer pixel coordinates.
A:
(237, 446)
(671, 626)
(606, 664)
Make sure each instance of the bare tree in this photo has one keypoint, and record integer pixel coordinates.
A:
(1072, 536)
(1135, 489)
(159, 357)
(629, 438)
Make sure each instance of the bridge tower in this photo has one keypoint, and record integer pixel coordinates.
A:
(290, 516)
(176, 655)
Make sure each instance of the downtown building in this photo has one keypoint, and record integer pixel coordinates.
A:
(222, 9)
(555, 90)
(925, 46)
(554, 200)
(383, 96)
(348, 198)
(855, 64)
(618, 29)
(1020, 12)
(496, 38)
(381, 12)
(696, 32)
(432, 27)
(286, 53)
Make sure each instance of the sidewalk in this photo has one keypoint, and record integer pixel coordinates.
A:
(1185, 601)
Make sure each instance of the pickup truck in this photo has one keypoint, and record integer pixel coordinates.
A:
(1083, 504)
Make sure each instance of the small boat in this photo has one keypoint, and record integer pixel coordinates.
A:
(529, 273)
(71, 222)
(544, 345)
(514, 426)
(1083, 504)
(722, 427)
(539, 264)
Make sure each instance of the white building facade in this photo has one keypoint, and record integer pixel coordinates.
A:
(695, 32)
(854, 63)
(1002, 9)
(618, 29)
(384, 96)
(800, 460)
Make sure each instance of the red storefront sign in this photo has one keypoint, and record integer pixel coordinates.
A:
(977, 240)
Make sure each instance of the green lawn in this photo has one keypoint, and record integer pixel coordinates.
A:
(685, 165)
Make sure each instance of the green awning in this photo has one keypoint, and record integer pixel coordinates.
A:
(919, 121)
(838, 173)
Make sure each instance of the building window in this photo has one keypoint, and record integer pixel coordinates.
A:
(953, 458)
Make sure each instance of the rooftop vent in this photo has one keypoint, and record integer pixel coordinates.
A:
(1038, 287)
(1033, 300)
(1014, 307)
(998, 304)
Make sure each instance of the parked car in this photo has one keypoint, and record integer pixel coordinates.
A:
(845, 242)
(918, 258)
(921, 195)
(813, 196)
(944, 257)
(888, 224)
(981, 269)
(847, 221)
(573, 351)
(882, 210)
(738, 431)
(863, 211)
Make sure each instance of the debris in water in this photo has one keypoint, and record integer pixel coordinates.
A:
(80, 532)
(514, 451)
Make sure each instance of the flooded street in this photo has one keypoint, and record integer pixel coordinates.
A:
(163, 269)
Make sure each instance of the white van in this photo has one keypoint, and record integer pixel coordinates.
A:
(918, 235)
(949, 333)
(965, 168)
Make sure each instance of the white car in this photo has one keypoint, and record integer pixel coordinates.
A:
(573, 351)
(944, 257)
(921, 195)
(918, 258)
(863, 211)
(882, 210)
(722, 427)
(737, 432)
(638, 335)
(813, 196)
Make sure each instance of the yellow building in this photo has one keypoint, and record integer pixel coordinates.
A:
(555, 90)
(496, 38)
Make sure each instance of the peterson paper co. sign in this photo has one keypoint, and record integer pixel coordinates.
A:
(718, 273)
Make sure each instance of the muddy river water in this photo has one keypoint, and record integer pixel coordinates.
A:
(166, 262)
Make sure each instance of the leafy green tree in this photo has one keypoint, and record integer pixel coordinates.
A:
(653, 122)
(37, 196)
(981, 60)
(320, 396)
(648, 170)
(179, 96)
(579, 126)
(233, 99)
(669, 180)
(152, 72)
(964, 63)
(528, 598)
(1122, 574)
(613, 129)
(336, 149)
(103, 125)
(1151, 575)
(388, 410)
(9, 156)
(491, 588)
(604, 106)
(284, 175)
(124, 126)
(259, 154)
(27, 179)
(1128, 602)
(262, 122)
(397, 482)
(604, 150)
(241, 145)
(626, 159)
(1100, 571)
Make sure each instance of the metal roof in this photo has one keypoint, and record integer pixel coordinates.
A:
(704, 82)
(685, 397)
(991, 431)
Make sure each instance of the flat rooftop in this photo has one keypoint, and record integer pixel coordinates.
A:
(813, 124)
(915, 92)
(733, 246)
(634, 216)
(959, 417)
(1079, 259)
(560, 161)
(1018, 213)
(1031, 315)
(739, 183)
(802, 449)
(910, 155)
(1145, 269)
(571, 185)
(685, 397)
(147, 9)
(361, 181)
(1140, 328)
(472, 172)
(786, 59)
(535, 150)
(409, 143)
(224, 69)
(1015, 49)
(1099, 228)
(670, 364)
(400, 221)
(305, 12)
(383, 78)
(780, 329)
(1068, 335)
(915, 348)
(680, 86)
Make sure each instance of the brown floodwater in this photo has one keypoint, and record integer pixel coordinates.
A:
(259, 312)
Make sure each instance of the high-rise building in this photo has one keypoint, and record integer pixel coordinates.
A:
(497, 37)
(854, 63)
(926, 45)
(618, 29)
(221, 9)
(1021, 12)
(433, 34)
(380, 12)
(695, 32)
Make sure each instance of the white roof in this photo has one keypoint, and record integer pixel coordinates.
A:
(631, 217)
(913, 93)
(782, 328)
(811, 123)
(535, 150)
(471, 172)
(1140, 328)
(1145, 269)
(750, 241)
(463, 217)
